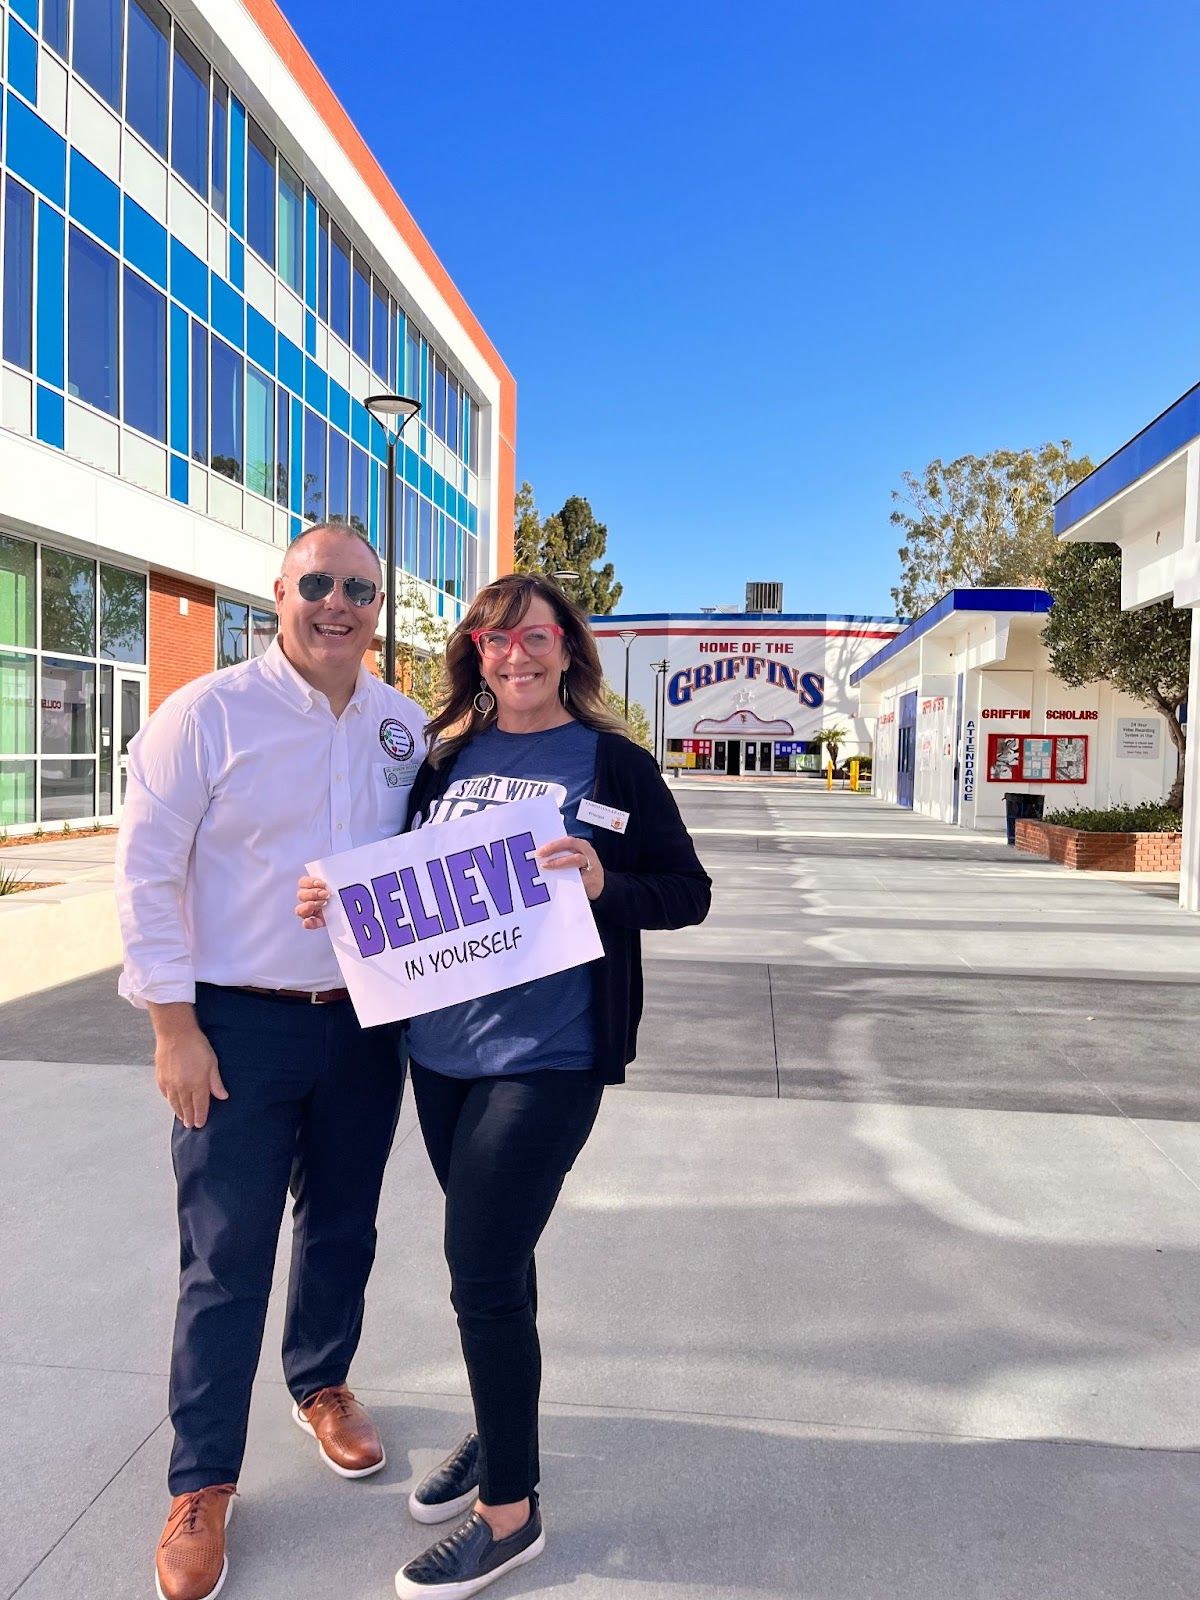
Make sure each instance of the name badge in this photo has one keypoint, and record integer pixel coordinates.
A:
(603, 816)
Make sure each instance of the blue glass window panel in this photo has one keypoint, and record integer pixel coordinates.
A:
(408, 530)
(412, 359)
(453, 412)
(179, 379)
(339, 477)
(189, 114)
(296, 527)
(226, 412)
(379, 331)
(95, 201)
(322, 265)
(373, 503)
(291, 227)
(237, 263)
(310, 334)
(27, 10)
(92, 323)
(360, 424)
(260, 193)
(145, 337)
(35, 152)
(297, 455)
(473, 429)
(378, 440)
(427, 480)
(220, 146)
(22, 60)
(98, 46)
(424, 540)
(51, 421)
(316, 387)
(146, 75)
(290, 369)
(359, 507)
(228, 312)
(179, 479)
(260, 339)
(18, 274)
(237, 166)
(450, 557)
(260, 433)
(283, 433)
(339, 283)
(48, 312)
(438, 498)
(310, 252)
(360, 321)
(412, 466)
(189, 279)
(54, 23)
(199, 393)
(439, 399)
(339, 406)
(473, 519)
(314, 466)
(145, 242)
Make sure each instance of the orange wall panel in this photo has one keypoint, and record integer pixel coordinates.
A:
(181, 647)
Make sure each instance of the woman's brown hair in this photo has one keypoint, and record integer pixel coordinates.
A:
(502, 605)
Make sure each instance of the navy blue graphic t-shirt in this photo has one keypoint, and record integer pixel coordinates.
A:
(533, 1026)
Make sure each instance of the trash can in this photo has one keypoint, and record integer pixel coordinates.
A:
(1021, 805)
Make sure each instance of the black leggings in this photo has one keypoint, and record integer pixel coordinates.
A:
(501, 1148)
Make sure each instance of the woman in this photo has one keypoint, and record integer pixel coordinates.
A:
(507, 1087)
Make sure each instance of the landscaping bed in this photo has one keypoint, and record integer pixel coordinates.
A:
(1128, 839)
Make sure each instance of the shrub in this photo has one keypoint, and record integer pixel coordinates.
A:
(11, 882)
(1150, 817)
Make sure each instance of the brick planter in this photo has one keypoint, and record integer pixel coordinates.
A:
(1099, 852)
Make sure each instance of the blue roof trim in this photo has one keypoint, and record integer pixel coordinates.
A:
(1148, 449)
(735, 616)
(1011, 600)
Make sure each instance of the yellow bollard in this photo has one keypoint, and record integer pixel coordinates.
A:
(829, 776)
(854, 774)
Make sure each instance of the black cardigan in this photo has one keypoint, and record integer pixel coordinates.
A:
(652, 879)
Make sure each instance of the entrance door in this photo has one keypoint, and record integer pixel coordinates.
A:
(764, 757)
(130, 709)
(734, 759)
(750, 755)
(906, 739)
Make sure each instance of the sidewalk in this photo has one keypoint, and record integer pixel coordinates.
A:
(65, 930)
(879, 1281)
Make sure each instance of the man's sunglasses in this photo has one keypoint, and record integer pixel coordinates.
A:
(536, 640)
(318, 585)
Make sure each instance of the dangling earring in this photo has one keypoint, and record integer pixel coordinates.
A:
(485, 701)
(562, 688)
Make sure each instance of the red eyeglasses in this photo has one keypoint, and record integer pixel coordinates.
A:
(536, 640)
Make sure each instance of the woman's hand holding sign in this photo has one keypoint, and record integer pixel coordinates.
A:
(568, 852)
(312, 898)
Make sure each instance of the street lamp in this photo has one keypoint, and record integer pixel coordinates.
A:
(626, 637)
(565, 577)
(394, 412)
(659, 668)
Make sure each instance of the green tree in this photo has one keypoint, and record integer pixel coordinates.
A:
(571, 540)
(831, 738)
(637, 721)
(420, 644)
(980, 520)
(1091, 640)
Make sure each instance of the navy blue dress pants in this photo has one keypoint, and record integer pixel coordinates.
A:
(313, 1104)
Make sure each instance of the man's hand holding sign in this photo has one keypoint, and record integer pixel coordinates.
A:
(454, 912)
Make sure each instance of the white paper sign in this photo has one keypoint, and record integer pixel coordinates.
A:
(454, 911)
(1137, 738)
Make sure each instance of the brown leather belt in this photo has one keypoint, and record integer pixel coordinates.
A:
(312, 997)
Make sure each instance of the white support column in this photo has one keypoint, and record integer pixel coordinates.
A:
(1189, 876)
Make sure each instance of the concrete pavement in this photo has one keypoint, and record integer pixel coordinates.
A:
(880, 1279)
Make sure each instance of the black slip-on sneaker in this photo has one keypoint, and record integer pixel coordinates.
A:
(451, 1488)
(468, 1559)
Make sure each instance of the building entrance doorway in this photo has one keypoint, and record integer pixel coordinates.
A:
(122, 712)
(757, 755)
(733, 758)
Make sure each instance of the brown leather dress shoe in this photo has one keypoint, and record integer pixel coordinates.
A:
(346, 1437)
(191, 1563)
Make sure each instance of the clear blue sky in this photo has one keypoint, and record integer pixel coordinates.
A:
(750, 261)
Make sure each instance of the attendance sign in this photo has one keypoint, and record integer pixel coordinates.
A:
(455, 911)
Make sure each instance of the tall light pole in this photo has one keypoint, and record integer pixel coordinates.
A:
(659, 668)
(626, 637)
(400, 410)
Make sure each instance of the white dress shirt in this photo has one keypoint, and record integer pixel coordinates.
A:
(235, 782)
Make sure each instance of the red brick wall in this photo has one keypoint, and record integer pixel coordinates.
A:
(1100, 852)
(181, 648)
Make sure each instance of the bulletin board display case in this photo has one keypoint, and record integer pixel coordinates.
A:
(1037, 758)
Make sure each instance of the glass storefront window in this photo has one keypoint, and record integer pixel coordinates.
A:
(68, 790)
(68, 603)
(220, 147)
(199, 385)
(18, 586)
(68, 704)
(98, 46)
(291, 226)
(145, 386)
(18, 274)
(314, 466)
(339, 477)
(283, 435)
(264, 625)
(189, 114)
(92, 323)
(233, 626)
(17, 680)
(260, 192)
(361, 311)
(227, 419)
(122, 615)
(339, 283)
(260, 430)
(146, 77)
(17, 779)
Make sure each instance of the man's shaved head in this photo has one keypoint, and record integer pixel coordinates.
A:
(342, 529)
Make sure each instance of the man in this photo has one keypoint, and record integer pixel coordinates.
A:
(235, 782)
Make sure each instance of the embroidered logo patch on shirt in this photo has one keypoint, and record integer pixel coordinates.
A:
(396, 739)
